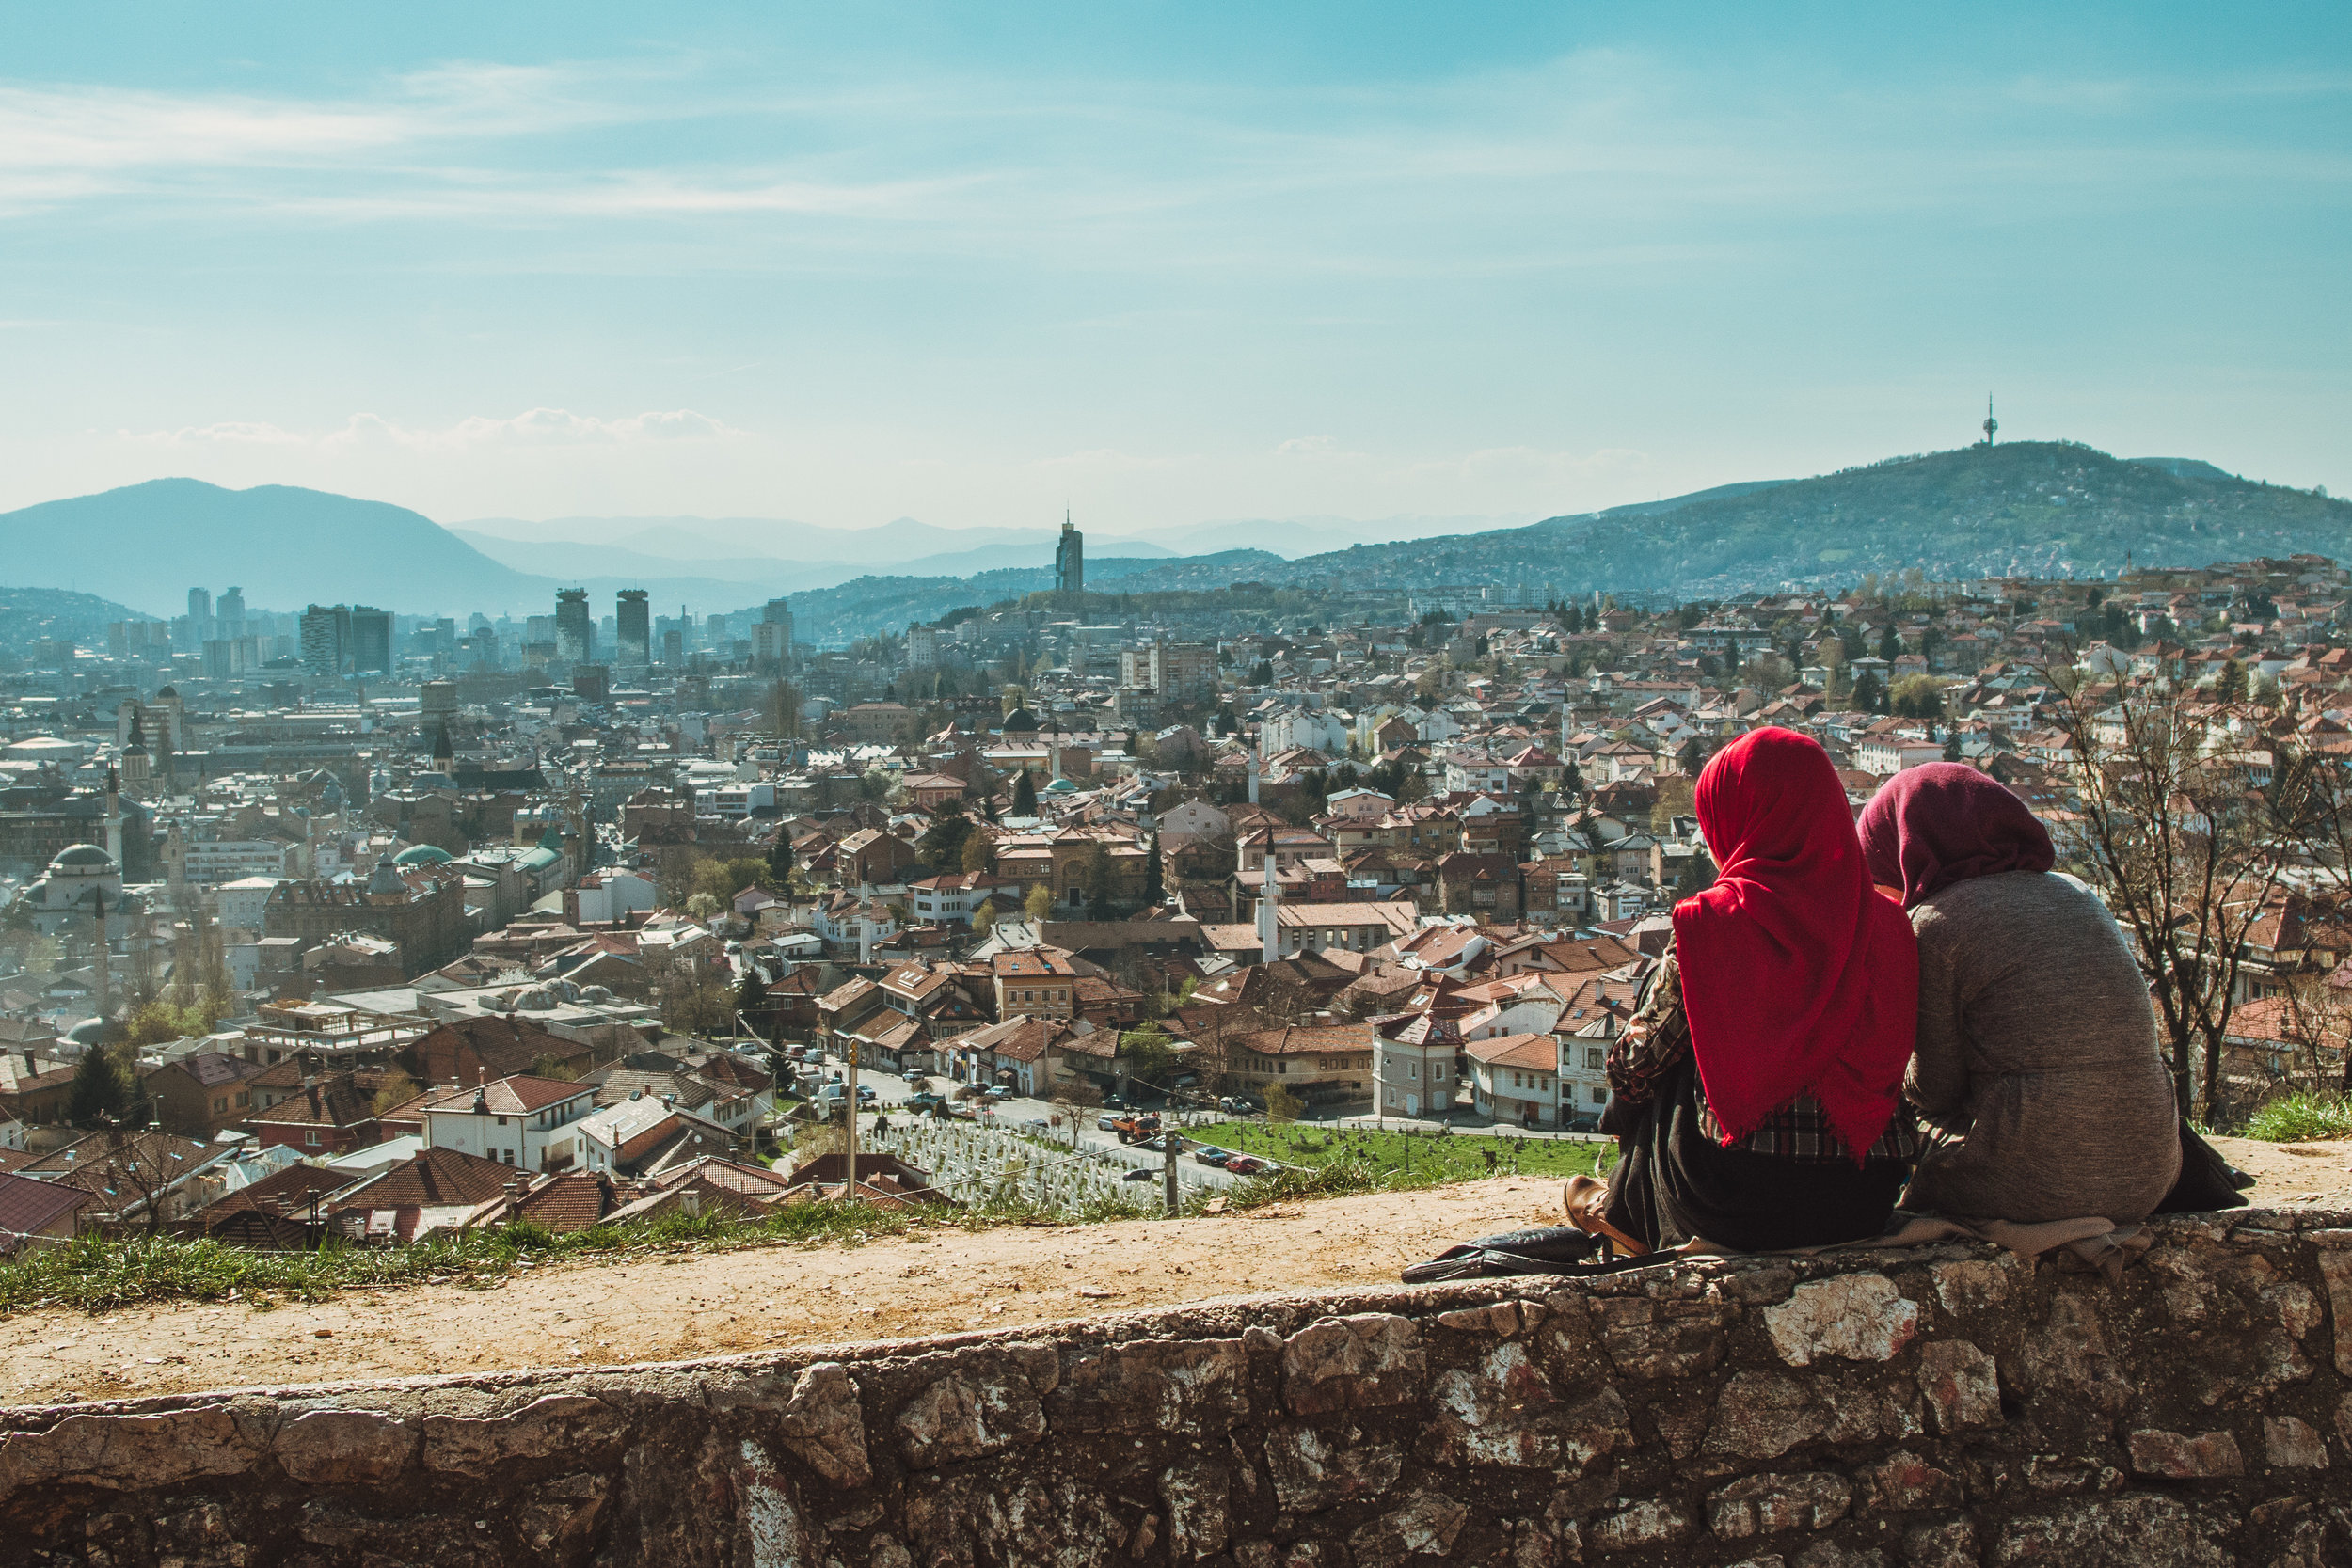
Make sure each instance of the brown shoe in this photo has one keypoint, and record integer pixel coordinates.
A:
(1580, 1198)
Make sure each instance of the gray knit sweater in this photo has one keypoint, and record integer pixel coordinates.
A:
(2037, 1041)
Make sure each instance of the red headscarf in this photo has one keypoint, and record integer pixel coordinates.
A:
(1796, 974)
(1929, 827)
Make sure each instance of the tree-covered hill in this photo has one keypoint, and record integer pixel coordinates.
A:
(2047, 508)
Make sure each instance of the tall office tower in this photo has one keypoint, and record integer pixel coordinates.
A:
(1070, 559)
(230, 613)
(632, 635)
(199, 607)
(575, 634)
(326, 640)
(371, 645)
(673, 647)
(715, 633)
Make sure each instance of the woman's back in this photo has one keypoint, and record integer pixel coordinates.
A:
(2035, 1031)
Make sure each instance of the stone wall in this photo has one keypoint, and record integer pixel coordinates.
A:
(1941, 1407)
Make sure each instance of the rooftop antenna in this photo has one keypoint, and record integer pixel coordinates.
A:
(1991, 424)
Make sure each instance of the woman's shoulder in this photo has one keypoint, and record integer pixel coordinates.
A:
(2005, 892)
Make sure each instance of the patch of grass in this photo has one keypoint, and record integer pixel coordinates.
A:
(2301, 1115)
(1420, 1160)
(98, 1274)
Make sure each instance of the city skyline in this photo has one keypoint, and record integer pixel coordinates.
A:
(1371, 262)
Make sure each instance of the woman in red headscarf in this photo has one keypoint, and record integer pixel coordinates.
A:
(2037, 1065)
(1759, 1089)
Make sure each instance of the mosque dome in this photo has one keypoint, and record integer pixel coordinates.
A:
(82, 860)
(1021, 720)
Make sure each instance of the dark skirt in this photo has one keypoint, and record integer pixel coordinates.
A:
(1673, 1183)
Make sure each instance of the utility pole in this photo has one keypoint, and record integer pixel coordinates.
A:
(1171, 1141)
(849, 1101)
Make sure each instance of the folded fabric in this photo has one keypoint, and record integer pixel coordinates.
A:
(2090, 1243)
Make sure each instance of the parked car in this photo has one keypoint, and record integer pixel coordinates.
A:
(1000, 1093)
(1106, 1122)
(1248, 1164)
(1142, 1176)
(924, 1104)
(1208, 1154)
(1112, 1102)
(865, 1095)
(1238, 1105)
(913, 1075)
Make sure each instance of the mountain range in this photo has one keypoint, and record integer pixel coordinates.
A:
(2045, 508)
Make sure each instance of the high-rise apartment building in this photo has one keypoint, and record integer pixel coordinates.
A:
(922, 647)
(1179, 671)
(371, 645)
(772, 639)
(575, 633)
(632, 635)
(230, 613)
(199, 606)
(673, 647)
(326, 640)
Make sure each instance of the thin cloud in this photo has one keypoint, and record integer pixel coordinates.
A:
(534, 427)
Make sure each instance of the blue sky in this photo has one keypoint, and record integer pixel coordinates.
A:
(1161, 263)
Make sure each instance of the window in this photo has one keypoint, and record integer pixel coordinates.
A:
(1595, 1060)
(501, 1121)
(1600, 1096)
(310, 1140)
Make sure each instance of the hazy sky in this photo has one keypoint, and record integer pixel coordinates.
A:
(1160, 264)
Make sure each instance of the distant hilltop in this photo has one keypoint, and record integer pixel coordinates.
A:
(2045, 508)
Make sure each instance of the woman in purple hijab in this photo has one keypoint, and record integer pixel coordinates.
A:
(2037, 1067)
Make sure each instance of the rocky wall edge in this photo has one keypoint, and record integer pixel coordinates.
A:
(1941, 1406)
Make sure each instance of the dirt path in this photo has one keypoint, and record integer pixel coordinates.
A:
(664, 1307)
(657, 1309)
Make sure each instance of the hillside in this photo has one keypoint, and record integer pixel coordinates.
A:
(2043, 507)
(147, 543)
(29, 615)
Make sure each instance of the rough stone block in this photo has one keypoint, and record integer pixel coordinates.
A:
(1959, 1385)
(2290, 1444)
(1424, 1527)
(127, 1451)
(2140, 1530)
(1313, 1471)
(2335, 1272)
(345, 1447)
(1501, 1318)
(1198, 1495)
(1764, 1415)
(1153, 1386)
(824, 1424)
(1652, 1522)
(1857, 1317)
(1355, 1363)
(1506, 1413)
(1648, 1341)
(1830, 1553)
(2176, 1456)
(559, 1519)
(968, 1414)
(1970, 1286)
(1902, 1482)
(580, 1428)
(1943, 1543)
(1766, 1505)
(2069, 1355)
(1048, 1524)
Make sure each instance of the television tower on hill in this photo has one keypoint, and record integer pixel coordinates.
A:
(1991, 424)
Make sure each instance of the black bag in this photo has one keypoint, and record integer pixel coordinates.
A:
(2207, 1181)
(1560, 1249)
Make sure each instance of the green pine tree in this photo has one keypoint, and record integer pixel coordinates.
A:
(1024, 795)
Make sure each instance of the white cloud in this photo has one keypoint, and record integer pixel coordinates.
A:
(534, 427)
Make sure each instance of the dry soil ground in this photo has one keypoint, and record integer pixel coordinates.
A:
(665, 1307)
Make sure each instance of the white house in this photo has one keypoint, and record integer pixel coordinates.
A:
(1889, 754)
(1516, 1078)
(241, 902)
(606, 895)
(1413, 1074)
(512, 1120)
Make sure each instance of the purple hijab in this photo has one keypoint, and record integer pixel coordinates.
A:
(1929, 827)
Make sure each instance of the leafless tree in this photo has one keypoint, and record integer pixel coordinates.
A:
(2185, 845)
